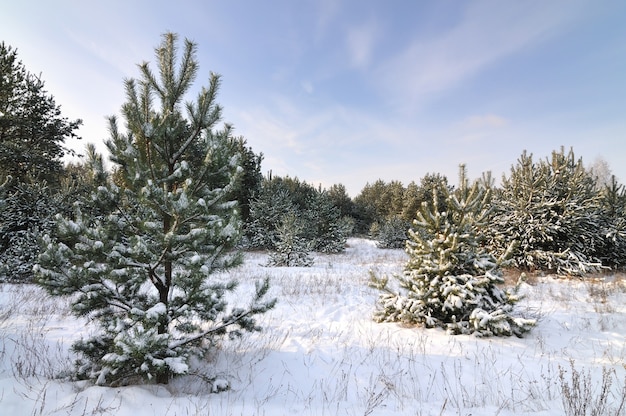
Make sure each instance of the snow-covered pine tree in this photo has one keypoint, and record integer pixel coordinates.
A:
(3, 195)
(328, 231)
(551, 208)
(613, 202)
(32, 136)
(3, 190)
(28, 214)
(290, 248)
(322, 224)
(29, 211)
(144, 273)
(267, 210)
(392, 232)
(450, 281)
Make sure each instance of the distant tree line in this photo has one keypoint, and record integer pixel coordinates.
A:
(563, 216)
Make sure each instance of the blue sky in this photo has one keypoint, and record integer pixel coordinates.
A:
(354, 91)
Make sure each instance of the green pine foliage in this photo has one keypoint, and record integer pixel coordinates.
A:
(28, 214)
(551, 208)
(391, 233)
(32, 129)
(412, 201)
(29, 210)
(377, 202)
(451, 281)
(327, 230)
(339, 197)
(391, 228)
(267, 211)
(32, 136)
(142, 269)
(612, 253)
(381, 202)
(291, 249)
(250, 179)
(323, 226)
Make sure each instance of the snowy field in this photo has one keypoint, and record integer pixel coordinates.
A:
(321, 354)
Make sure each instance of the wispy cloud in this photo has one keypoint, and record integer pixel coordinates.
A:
(307, 86)
(487, 32)
(360, 42)
(485, 121)
(327, 12)
(323, 144)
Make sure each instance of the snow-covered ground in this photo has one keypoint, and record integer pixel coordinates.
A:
(321, 354)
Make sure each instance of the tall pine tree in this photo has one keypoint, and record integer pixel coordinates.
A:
(144, 272)
(32, 136)
(32, 129)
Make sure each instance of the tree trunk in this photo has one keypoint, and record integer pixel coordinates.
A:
(164, 290)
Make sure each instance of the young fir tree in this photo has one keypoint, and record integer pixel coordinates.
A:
(450, 281)
(290, 248)
(144, 272)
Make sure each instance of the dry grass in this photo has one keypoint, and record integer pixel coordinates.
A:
(305, 362)
(583, 396)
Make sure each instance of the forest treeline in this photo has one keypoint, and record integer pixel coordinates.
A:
(564, 216)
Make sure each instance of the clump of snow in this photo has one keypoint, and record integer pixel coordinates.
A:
(220, 385)
(177, 365)
(156, 311)
(229, 231)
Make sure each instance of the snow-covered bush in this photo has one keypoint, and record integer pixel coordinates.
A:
(450, 280)
(143, 268)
